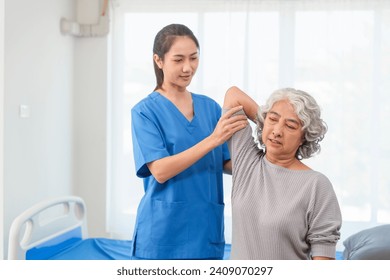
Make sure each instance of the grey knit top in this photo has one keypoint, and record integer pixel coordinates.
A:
(278, 213)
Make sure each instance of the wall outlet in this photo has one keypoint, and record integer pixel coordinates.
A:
(24, 111)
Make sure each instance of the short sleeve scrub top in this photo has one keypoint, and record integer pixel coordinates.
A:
(183, 217)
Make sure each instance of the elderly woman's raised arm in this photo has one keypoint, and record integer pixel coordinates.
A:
(236, 97)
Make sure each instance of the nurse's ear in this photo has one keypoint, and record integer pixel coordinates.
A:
(158, 61)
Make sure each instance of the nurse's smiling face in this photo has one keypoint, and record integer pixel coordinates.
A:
(179, 64)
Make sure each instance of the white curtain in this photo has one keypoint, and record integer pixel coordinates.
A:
(339, 51)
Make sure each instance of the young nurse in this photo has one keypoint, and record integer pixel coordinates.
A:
(180, 152)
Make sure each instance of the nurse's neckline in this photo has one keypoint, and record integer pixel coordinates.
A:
(188, 111)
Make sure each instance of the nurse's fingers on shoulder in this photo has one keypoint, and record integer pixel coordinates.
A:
(237, 120)
(240, 123)
(232, 111)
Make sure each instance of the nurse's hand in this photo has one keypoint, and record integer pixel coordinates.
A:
(165, 168)
(229, 124)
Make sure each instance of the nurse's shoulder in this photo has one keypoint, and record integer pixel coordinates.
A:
(149, 102)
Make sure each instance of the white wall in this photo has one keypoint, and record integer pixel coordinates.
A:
(90, 124)
(38, 69)
(61, 148)
(90, 118)
(1, 124)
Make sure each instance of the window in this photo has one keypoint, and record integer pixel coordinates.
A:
(339, 51)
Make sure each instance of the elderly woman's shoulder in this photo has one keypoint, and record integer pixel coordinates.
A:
(321, 180)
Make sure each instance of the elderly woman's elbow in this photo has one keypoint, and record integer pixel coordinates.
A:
(231, 90)
(230, 100)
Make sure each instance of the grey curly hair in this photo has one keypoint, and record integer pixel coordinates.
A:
(307, 110)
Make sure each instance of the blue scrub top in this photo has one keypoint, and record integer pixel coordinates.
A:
(183, 217)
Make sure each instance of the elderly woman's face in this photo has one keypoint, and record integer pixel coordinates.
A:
(282, 131)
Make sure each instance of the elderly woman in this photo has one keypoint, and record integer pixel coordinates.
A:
(282, 209)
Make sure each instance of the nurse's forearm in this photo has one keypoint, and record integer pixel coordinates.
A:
(168, 167)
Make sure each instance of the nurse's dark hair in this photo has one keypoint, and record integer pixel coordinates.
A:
(163, 43)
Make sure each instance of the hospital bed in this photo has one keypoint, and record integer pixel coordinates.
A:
(57, 229)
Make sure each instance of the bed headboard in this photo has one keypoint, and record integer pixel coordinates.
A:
(47, 223)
